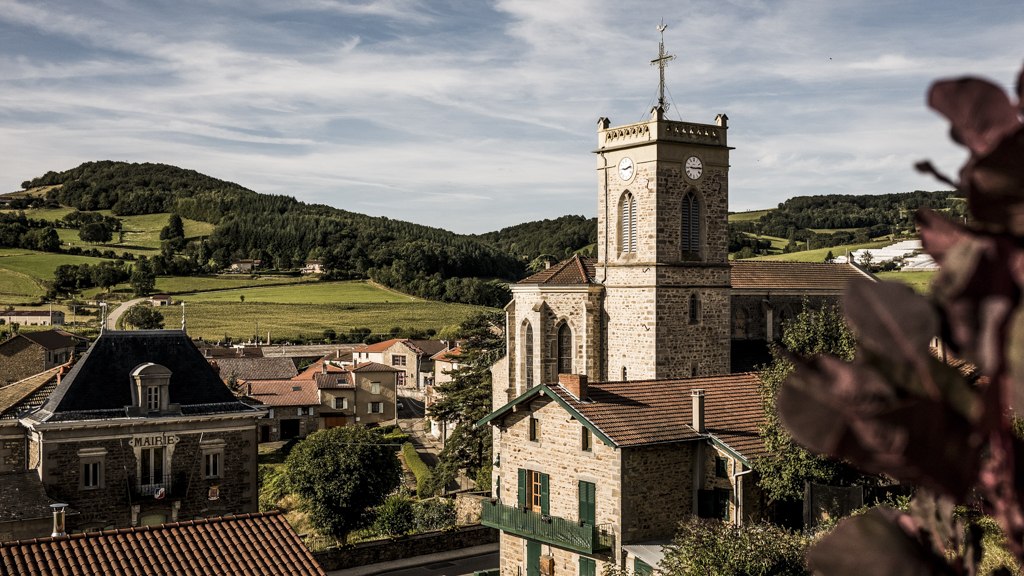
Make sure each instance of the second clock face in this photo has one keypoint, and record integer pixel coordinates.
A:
(693, 167)
(626, 168)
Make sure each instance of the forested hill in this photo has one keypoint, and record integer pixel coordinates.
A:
(556, 239)
(421, 260)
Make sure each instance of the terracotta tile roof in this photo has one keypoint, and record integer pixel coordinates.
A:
(380, 346)
(575, 270)
(450, 355)
(14, 394)
(278, 368)
(637, 413)
(283, 392)
(763, 275)
(333, 380)
(318, 368)
(374, 367)
(243, 545)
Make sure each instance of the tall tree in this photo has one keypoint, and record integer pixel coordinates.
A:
(467, 398)
(339, 473)
(787, 465)
(143, 278)
(144, 317)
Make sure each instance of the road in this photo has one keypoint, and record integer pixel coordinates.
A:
(412, 422)
(116, 313)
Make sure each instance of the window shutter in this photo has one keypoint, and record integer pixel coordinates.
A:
(369, 407)
(588, 567)
(545, 507)
(523, 493)
(587, 502)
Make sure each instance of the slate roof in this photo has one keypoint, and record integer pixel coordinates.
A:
(575, 270)
(28, 393)
(283, 392)
(249, 369)
(243, 545)
(764, 275)
(23, 498)
(99, 385)
(644, 412)
(53, 339)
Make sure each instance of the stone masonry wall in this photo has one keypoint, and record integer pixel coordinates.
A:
(12, 447)
(657, 486)
(558, 454)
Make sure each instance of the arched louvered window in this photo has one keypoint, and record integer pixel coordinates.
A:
(528, 356)
(564, 349)
(627, 227)
(691, 226)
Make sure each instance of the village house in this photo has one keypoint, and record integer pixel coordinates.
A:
(325, 395)
(33, 317)
(592, 474)
(313, 267)
(161, 300)
(244, 266)
(28, 353)
(411, 356)
(445, 362)
(139, 431)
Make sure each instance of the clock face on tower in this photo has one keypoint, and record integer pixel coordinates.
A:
(626, 169)
(694, 167)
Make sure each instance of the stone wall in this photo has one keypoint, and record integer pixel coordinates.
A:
(657, 483)
(365, 553)
(308, 423)
(752, 313)
(12, 448)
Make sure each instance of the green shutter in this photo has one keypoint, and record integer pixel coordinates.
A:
(523, 492)
(641, 568)
(544, 492)
(588, 567)
(588, 502)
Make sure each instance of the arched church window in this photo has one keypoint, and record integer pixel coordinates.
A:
(691, 226)
(564, 349)
(694, 309)
(628, 223)
(528, 356)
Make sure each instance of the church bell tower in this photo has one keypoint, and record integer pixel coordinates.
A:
(663, 200)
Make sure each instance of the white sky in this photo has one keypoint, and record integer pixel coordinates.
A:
(473, 115)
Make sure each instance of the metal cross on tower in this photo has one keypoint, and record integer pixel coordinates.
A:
(660, 62)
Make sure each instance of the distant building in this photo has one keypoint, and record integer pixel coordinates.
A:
(313, 267)
(140, 431)
(28, 353)
(445, 362)
(33, 317)
(244, 266)
(411, 356)
(161, 300)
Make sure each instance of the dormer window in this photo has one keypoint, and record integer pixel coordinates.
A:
(151, 393)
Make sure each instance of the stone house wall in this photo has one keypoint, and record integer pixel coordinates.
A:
(364, 395)
(12, 447)
(656, 485)
(309, 422)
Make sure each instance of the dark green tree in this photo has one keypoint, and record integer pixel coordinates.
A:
(173, 234)
(143, 316)
(467, 398)
(339, 473)
(787, 465)
(96, 232)
(143, 278)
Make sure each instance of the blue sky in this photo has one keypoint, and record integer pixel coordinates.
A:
(474, 115)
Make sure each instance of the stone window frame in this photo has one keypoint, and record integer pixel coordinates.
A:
(344, 403)
(375, 387)
(375, 407)
(721, 467)
(564, 350)
(213, 452)
(534, 429)
(399, 360)
(528, 354)
(151, 388)
(586, 439)
(92, 457)
(627, 243)
(695, 309)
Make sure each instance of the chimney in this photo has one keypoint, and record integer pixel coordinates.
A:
(323, 367)
(698, 410)
(58, 519)
(576, 384)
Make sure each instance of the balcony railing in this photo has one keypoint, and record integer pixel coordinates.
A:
(561, 532)
(173, 485)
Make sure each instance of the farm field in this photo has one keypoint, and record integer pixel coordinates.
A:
(818, 255)
(39, 265)
(187, 284)
(346, 292)
(920, 281)
(747, 216)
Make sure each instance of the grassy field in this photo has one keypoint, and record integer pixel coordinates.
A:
(919, 281)
(16, 287)
(819, 254)
(315, 293)
(185, 284)
(747, 216)
(39, 265)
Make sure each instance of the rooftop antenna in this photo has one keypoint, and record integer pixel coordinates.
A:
(183, 316)
(662, 60)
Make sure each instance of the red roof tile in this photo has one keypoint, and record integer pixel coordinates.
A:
(283, 392)
(654, 411)
(380, 346)
(762, 275)
(575, 270)
(450, 355)
(243, 545)
(318, 368)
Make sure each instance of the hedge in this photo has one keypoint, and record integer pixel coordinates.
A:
(424, 477)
